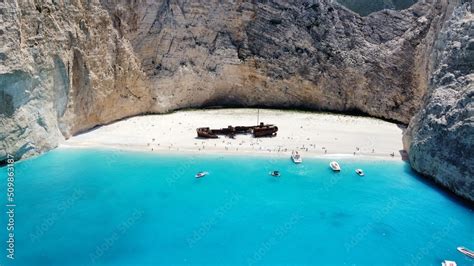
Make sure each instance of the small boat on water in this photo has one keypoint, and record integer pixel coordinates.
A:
(359, 172)
(201, 174)
(275, 173)
(448, 263)
(296, 157)
(335, 166)
(466, 252)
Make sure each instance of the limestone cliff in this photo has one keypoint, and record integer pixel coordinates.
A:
(63, 69)
(440, 138)
(309, 54)
(365, 7)
(69, 65)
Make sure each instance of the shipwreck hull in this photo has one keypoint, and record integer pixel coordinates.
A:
(259, 131)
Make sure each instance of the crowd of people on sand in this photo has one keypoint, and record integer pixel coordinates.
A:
(236, 144)
(254, 144)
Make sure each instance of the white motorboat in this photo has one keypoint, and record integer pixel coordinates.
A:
(448, 263)
(466, 252)
(335, 166)
(201, 174)
(359, 172)
(296, 157)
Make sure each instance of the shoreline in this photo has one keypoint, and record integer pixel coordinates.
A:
(233, 153)
(313, 135)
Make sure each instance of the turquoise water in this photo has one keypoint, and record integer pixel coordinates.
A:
(84, 207)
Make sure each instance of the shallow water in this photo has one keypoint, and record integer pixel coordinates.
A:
(83, 207)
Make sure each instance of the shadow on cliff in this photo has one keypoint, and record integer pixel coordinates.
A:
(294, 108)
(211, 106)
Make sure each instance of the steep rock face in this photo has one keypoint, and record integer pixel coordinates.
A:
(311, 54)
(440, 138)
(365, 7)
(63, 69)
(67, 66)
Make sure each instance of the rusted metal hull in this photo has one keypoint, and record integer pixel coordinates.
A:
(259, 131)
(267, 131)
(207, 133)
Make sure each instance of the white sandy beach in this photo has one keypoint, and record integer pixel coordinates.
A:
(312, 134)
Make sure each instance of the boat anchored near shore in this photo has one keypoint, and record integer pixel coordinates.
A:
(201, 174)
(448, 263)
(466, 252)
(296, 157)
(335, 166)
(360, 172)
(275, 173)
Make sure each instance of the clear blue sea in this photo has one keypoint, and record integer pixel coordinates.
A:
(104, 207)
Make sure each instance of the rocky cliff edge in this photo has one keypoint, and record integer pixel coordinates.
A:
(440, 138)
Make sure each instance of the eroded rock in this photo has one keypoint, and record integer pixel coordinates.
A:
(440, 138)
(67, 66)
(65, 69)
